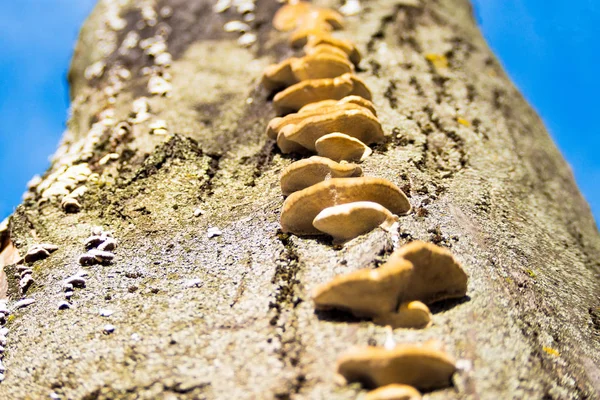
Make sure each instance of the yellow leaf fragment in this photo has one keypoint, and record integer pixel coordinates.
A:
(463, 121)
(439, 61)
(551, 351)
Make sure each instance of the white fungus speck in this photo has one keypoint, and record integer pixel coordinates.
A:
(247, 39)
(108, 328)
(213, 231)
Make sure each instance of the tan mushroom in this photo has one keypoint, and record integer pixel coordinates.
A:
(341, 147)
(325, 49)
(294, 70)
(366, 292)
(345, 45)
(357, 100)
(355, 123)
(296, 96)
(321, 108)
(394, 392)
(287, 17)
(316, 22)
(420, 366)
(413, 314)
(319, 66)
(304, 173)
(347, 221)
(279, 75)
(300, 208)
(437, 275)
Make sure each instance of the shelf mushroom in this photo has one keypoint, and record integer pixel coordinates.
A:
(345, 45)
(355, 100)
(366, 292)
(307, 172)
(354, 121)
(298, 95)
(300, 208)
(421, 366)
(294, 70)
(347, 221)
(427, 274)
(394, 391)
(341, 147)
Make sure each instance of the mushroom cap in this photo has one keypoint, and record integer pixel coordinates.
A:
(347, 221)
(423, 367)
(345, 45)
(353, 99)
(413, 314)
(288, 146)
(279, 75)
(298, 95)
(339, 146)
(313, 109)
(325, 49)
(437, 275)
(300, 208)
(304, 173)
(366, 292)
(353, 121)
(288, 16)
(394, 392)
(319, 66)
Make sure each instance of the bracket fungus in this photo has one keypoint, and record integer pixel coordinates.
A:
(345, 45)
(300, 94)
(366, 292)
(341, 147)
(423, 273)
(293, 70)
(300, 208)
(286, 18)
(357, 100)
(347, 221)
(354, 121)
(304, 173)
(333, 114)
(413, 314)
(394, 392)
(421, 366)
(437, 275)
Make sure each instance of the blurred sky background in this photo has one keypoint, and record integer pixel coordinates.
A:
(549, 48)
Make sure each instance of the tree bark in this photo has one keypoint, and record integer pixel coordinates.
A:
(483, 177)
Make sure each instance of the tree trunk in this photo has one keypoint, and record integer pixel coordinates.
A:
(230, 316)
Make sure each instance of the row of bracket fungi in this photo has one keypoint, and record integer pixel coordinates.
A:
(326, 109)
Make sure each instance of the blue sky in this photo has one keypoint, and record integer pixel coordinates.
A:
(548, 48)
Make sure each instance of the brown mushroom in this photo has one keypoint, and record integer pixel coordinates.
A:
(347, 221)
(304, 173)
(437, 275)
(420, 366)
(366, 292)
(412, 314)
(300, 208)
(298, 95)
(345, 45)
(341, 147)
(394, 391)
(288, 16)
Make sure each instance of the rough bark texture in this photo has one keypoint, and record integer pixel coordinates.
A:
(483, 177)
